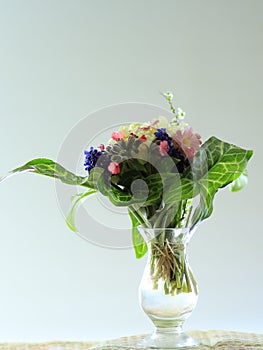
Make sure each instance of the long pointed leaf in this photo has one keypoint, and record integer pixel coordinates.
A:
(76, 201)
(140, 247)
(50, 168)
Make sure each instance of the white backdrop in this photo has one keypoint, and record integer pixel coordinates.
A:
(61, 60)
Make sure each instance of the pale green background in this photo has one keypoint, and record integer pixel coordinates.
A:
(59, 61)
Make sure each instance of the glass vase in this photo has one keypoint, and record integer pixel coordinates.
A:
(168, 290)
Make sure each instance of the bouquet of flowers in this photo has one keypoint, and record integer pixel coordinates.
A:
(165, 176)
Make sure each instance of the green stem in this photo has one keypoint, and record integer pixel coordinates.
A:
(168, 264)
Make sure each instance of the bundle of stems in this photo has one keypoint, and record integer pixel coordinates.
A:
(169, 266)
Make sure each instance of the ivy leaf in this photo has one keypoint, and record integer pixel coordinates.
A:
(139, 245)
(50, 168)
(76, 201)
(216, 165)
(240, 182)
(178, 188)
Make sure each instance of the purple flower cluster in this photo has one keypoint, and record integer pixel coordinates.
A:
(91, 158)
(162, 135)
(173, 151)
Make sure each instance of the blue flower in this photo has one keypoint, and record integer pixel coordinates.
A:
(91, 158)
(173, 150)
(162, 135)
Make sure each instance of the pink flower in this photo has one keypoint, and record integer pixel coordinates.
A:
(101, 147)
(163, 148)
(117, 135)
(114, 168)
(188, 141)
(143, 138)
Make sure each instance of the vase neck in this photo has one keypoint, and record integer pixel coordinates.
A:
(180, 236)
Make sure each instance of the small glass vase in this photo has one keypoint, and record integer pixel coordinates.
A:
(168, 291)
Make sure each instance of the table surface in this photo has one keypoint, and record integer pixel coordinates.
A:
(209, 340)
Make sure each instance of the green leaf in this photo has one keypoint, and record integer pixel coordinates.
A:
(50, 168)
(75, 203)
(149, 192)
(216, 165)
(139, 245)
(240, 182)
(119, 197)
(97, 181)
(178, 188)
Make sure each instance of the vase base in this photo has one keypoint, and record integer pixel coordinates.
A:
(154, 341)
(168, 341)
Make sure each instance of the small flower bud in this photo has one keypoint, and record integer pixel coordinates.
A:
(114, 168)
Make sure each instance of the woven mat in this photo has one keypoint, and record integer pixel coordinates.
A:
(209, 339)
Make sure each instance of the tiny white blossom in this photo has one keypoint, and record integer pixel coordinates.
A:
(180, 114)
(168, 95)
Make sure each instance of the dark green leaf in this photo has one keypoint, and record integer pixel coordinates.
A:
(119, 197)
(145, 195)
